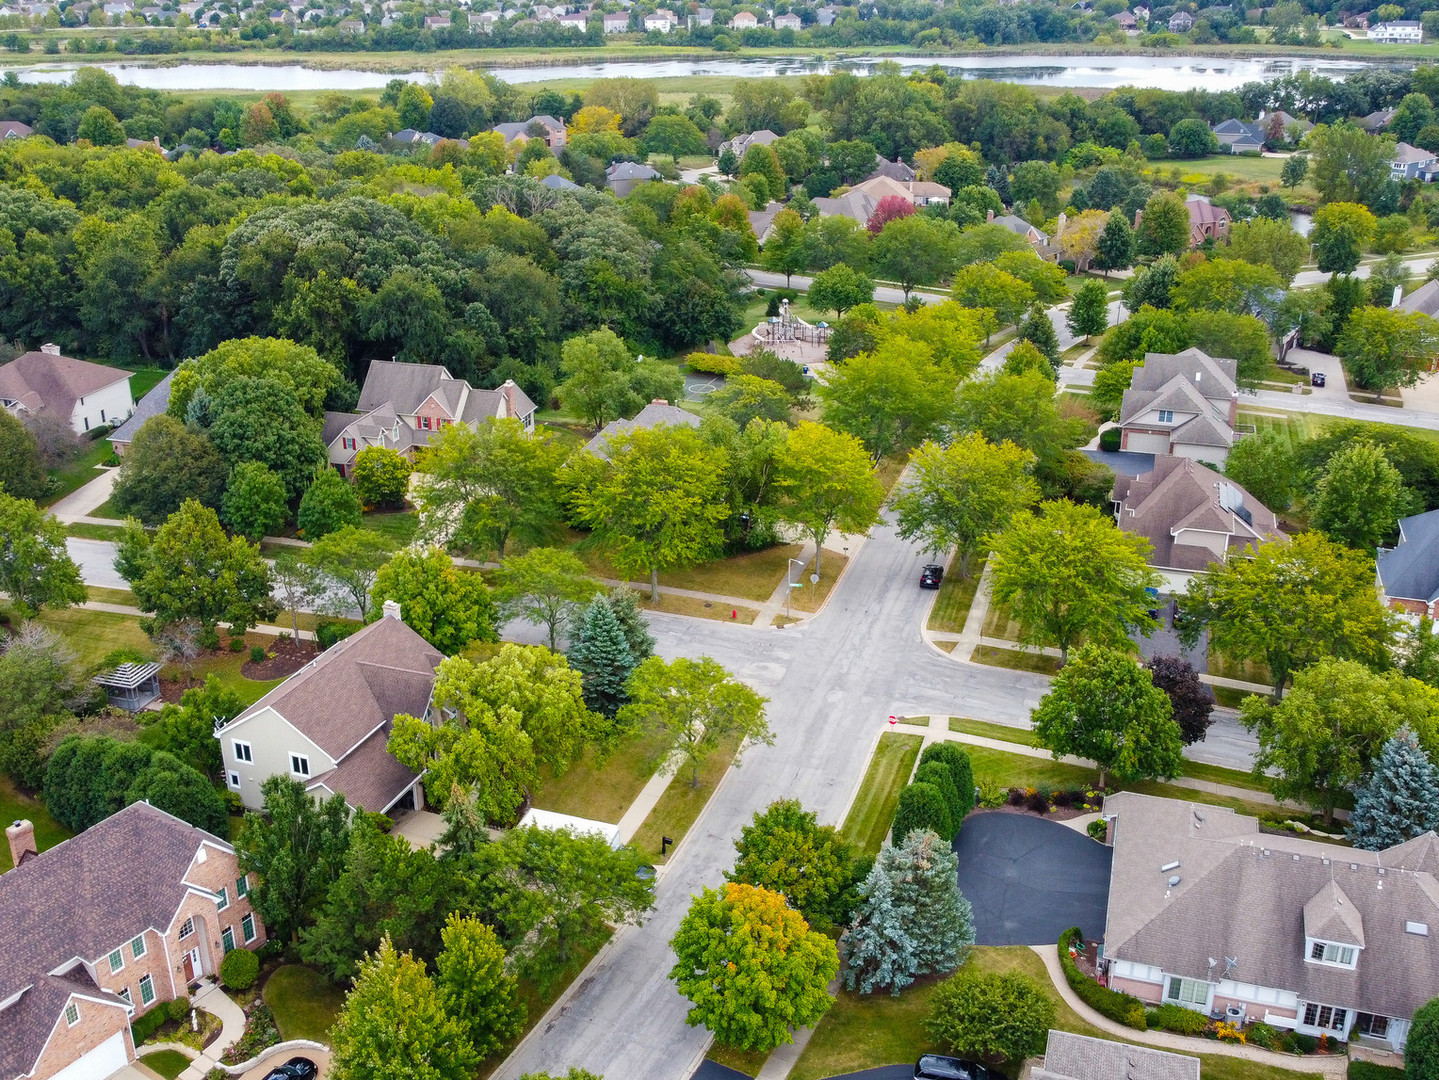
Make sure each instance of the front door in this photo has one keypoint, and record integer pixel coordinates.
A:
(189, 967)
(196, 964)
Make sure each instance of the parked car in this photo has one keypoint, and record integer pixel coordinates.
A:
(931, 576)
(1316, 378)
(937, 1067)
(297, 1068)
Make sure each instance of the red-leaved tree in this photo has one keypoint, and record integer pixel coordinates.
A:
(890, 208)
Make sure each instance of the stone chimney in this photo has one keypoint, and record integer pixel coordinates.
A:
(390, 609)
(989, 215)
(50, 349)
(21, 835)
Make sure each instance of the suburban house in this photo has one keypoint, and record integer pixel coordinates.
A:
(702, 17)
(658, 413)
(826, 15)
(1082, 1057)
(1377, 121)
(402, 405)
(1181, 22)
(1126, 21)
(661, 20)
(1182, 405)
(1239, 137)
(86, 394)
(104, 926)
(917, 192)
(740, 143)
(1292, 128)
(1403, 32)
(761, 221)
(554, 131)
(437, 22)
(854, 204)
(624, 176)
(616, 23)
(1411, 163)
(1207, 912)
(1206, 221)
(556, 182)
(1424, 299)
(1409, 571)
(1191, 516)
(152, 404)
(788, 22)
(578, 20)
(327, 725)
(895, 170)
(1020, 227)
(743, 20)
(13, 129)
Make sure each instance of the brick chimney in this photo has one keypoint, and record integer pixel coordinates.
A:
(507, 388)
(50, 349)
(390, 609)
(21, 836)
(1138, 217)
(989, 215)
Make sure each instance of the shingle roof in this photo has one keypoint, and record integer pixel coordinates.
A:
(559, 183)
(405, 386)
(630, 170)
(1183, 381)
(1242, 895)
(369, 778)
(1411, 569)
(856, 205)
(1019, 226)
(895, 170)
(152, 404)
(1404, 154)
(1331, 916)
(45, 380)
(1082, 1057)
(14, 129)
(655, 414)
(1424, 299)
(336, 422)
(83, 898)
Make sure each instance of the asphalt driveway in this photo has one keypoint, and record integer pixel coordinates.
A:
(1029, 880)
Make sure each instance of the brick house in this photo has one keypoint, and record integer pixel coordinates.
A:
(1409, 571)
(103, 927)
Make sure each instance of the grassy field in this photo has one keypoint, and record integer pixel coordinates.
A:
(681, 803)
(168, 1063)
(305, 1002)
(14, 806)
(602, 791)
(95, 634)
(397, 526)
(956, 596)
(144, 380)
(84, 530)
(809, 596)
(79, 471)
(868, 821)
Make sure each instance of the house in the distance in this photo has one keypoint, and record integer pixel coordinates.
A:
(1403, 32)
(1036, 238)
(916, 192)
(1209, 913)
(1181, 22)
(13, 129)
(102, 928)
(87, 395)
(1412, 163)
(552, 131)
(1239, 137)
(1181, 404)
(327, 725)
(1424, 299)
(740, 143)
(1206, 221)
(152, 404)
(615, 23)
(743, 20)
(403, 405)
(788, 22)
(895, 170)
(1409, 571)
(1376, 121)
(658, 413)
(1126, 21)
(624, 176)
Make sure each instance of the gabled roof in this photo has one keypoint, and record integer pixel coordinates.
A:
(370, 778)
(1019, 226)
(854, 204)
(14, 129)
(1404, 154)
(630, 170)
(655, 414)
(1377, 120)
(405, 386)
(1083, 1057)
(1423, 299)
(1167, 380)
(1239, 127)
(41, 380)
(761, 220)
(1202, 211)
(1410, 570)
(894, 170)
(152, 404)
(558, 183)
(1331, 916)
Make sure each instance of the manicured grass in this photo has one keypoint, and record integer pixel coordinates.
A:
(999, 624)
(681, 803)
(867, 823)
(225, 666)
(890, 468)
(102, 595)
(306, 1004)
(14, 806)
(1218, 774)
(749, 1062)
(96, 634)
(985, 729)
(698, 609)
(168, 1063)
(752, 576)
(397, 526)
(956, 596)
(79, 471)
(600, 790)
(809, 597)
(1014, 660)
(88, 531)
(107, 509)
(144, 380)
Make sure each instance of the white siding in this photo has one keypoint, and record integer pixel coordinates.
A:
(1259, 995)
(108, 406)
(1128, 969)
(272, 739)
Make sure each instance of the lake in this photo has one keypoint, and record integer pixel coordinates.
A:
(1107, 72)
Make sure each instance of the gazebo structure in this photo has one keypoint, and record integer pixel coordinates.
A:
(131, 686)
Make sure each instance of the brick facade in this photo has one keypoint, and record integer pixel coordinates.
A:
(67, 1044)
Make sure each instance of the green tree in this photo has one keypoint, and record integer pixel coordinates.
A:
(381, 476)
(659, 503)
(1192, 701)
(839, 288)
(394, 1021)
(744, 398)
(1399, 799)
(414, 106)
(601, 653)
(890, 398)
(1341, 232)
(993, 1015)
(959, 494)
(100, 127)
(35, 568)
(1421, 1050)
(299, 368)
(751, 967)
(165, 465)
(475, 987)
(1115, 250)
(1328, 732)
(22, 473)
(825, 481)
(187, 730)
(879, 949)
(296, 585)
(1265, 242)
(1224, 285)
(922, 807)
(786, 849)
(88, 779)
(763, 161)
(1360, 498)
(1164, 228)
(544, 586)
(1289, 606)
(603, 382)
(916, 250)
(296, 848)
(192, 570)
(349, 559)
(1089, 311)
(786, 251)
(446, 606)
(1296, 168)
(982, 285)
(1385, 348)
(328, 505)
(1347, 164)
(254, 501)
(1105, 707)
(1192, 138)
(1067, 573)
(1038, 330)
(261, 419)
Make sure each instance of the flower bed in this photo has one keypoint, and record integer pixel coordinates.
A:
(1119, 1007)
(261, 1033)
(1060, 804)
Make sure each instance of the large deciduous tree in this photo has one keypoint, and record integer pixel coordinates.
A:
(328, 505)
(891, 397)
(166, 464)
(1191, 700)
(604, 383)
(1164, 228)
(787, 850)
(840, 287)
(298, 368)
(1360, 497)
(1347, 164)
(825, 481)
(475, 986)
(1089, 311)
(349, 560)
(35, 568)
(1341, 232)
(1384, 348)
(916, 250)
(992, 1015)
(382, 476)
(1266, 242)
(254, 501)
(544, 586)
(445, 605)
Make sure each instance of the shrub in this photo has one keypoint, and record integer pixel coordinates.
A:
(1098, 829)
(146, 1026)
(239, 969)
(1303, 1044)
(257, 653)
(1181, 1021)
(327, 633)
(992, 794)
(935, 774)
(1262, 1035)
(209, 638)
(921, 806)
(713, 363)
(237, 644)
(261, 1033)
(961, 771)
(1110, 438)
(1421, 1052)
(179, 1008)
(1119, 1007)
(1038, 801)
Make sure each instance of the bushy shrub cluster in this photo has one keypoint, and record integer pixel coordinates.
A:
(940, 796)
(1119, 1007)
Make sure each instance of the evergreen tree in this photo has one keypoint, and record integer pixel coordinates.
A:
(625, 603)
(961, 771)
(937, 774)
(921, 806)
(602, 656)
(879, 951)
(1039, 332)
(1399, 799)
(927, 882)
(1115, 250)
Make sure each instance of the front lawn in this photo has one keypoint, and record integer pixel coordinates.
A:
(78, 471)
(305, 1003)
(810, 597)
(95, 634)
(14, 806)
(168, 1063)
(867, 823)
(681, 803)
(396, 526)
(601, 791)
(1015, 660)
(956, 597)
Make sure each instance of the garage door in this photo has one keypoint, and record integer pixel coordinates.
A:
(1147, 443)
(99, 1063)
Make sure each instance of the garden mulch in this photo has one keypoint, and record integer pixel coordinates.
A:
(283, 658)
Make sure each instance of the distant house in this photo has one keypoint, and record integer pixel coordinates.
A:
(1126, 20)
(557, 182)
(152, 404)
(1017, 225)
(554, 131)
(894, 170)
(703, 17)
(917, 192)
(1377, 121)
(743, 20)
(1082, 1057)
(350, 26)
(624, 176)
(788, 22)
(13, 129)
(1191, 516)
(1239, 137)
(740, 143)
(1181, 22)
(437, 22)
(85, 394)
(658, 413)
(484, 20)
(616, 23)
(761, 221)
(1412, 163)
(1397, 33)
(1181, 405)
(1424, 299)
(661, 21)
(853, 204)
(1291, 128)
(1409, 571)
(1206, 220)
(825, 16)
(579, 20)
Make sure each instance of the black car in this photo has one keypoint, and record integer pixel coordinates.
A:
(297, 1068)
(1316, 378)
(936, 1067)
(931, 576)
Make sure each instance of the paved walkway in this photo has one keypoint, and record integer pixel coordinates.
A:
(232, 1018)
(79, 503)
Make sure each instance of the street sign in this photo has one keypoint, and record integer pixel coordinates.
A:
(814, 579)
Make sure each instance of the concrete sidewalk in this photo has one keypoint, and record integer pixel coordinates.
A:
(213, 1000)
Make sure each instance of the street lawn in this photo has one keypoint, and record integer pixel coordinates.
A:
(306, 1004)
(987, 730)
(87, 531)
(890, 469)
(397, 526)
(749, 1062)
(168, 1063)
(867, 823)
(107, 510)
(100, 594)
(15, 805)
(811, 597)
(956, 596)
(681, 803)
(78, 471)
(1015, 660)
(601, 790)
(94, 635)
(670, 604)
(752, 576)
(1297, 427)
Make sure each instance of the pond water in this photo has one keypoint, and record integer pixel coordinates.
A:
(1153, 72)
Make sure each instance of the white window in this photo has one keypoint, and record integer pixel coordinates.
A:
(242, 886)
(222, 901)
(299, 765)
(187, 928)
(227, 938)
(147, 990)
(234, 780)
(1187, 991)
(247, 927)
(124, 992)
(117, 961)
(72, 1013)
(1324, 1016)
(1326, 952)
(242, 750)
(1166, 416)
(137, 947)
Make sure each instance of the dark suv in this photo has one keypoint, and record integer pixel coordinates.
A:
(935, 1067)
(297, 1068)
(931, 576)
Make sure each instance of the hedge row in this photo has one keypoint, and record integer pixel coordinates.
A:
(1122, 1008)
(150, 1023)
(941, 795)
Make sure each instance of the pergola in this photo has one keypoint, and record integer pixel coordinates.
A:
(131, 686)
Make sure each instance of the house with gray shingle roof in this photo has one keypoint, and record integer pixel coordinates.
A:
(1424, 299)
(103, 927)
(1239, 137)
(1207, 912)
(328, 724)
(1181, 404)
(624, 176)
(658, 413)
(85, 394)
(1082, 1057)
(1409, 571)
(152, 404)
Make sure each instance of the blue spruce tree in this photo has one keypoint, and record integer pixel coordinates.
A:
(928, 884)
(602, 656)
(1399, 799)
(879, 952)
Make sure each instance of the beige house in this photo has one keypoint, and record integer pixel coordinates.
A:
(658, 413)
(554, 131)
(87, 395)
(103, 927)
(1181, 404)
(743, 20)
(918, 192)
(328, 724)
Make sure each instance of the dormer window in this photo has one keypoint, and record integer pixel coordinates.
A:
(1166, 416)
(1329, 952)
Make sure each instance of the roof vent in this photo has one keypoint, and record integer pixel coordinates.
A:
(1174, 881)
(1169, 866)
(1296, 858)
(1354, 866)
(1325, 861)
(50, 349)
(1418, 928)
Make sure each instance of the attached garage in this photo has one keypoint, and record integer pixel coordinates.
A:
(107, 1058)
(1146, 442)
